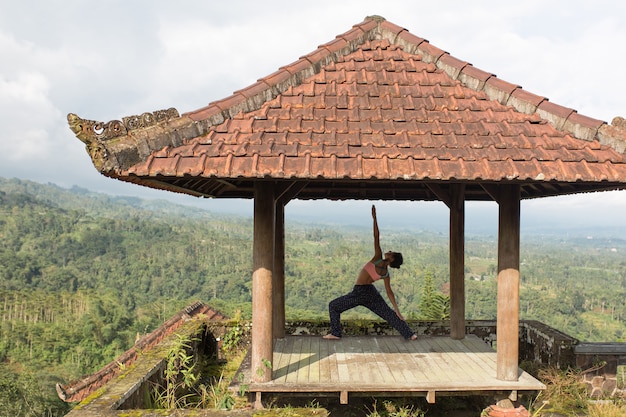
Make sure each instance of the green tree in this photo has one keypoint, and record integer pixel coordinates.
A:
(25, 395)
(434, 305)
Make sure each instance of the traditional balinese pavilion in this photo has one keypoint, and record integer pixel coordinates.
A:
(375, 114)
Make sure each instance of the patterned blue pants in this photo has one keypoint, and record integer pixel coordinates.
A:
(366, 296)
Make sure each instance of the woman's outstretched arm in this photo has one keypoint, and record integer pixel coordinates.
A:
(378, 253)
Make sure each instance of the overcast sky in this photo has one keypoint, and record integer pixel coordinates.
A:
(104, 60)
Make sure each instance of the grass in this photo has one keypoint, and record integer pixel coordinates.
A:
(566, 394)
(368, 406)
(607, 409)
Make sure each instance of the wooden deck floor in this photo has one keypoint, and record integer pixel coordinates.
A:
(387, 365)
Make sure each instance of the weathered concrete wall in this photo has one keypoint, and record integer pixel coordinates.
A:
(543, 345)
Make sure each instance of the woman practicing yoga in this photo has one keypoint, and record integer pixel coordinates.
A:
(365, 293)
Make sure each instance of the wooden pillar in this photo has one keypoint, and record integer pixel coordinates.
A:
(282, 197)
(279, 273)
(263, 264)
(508, 283)
(457, 262)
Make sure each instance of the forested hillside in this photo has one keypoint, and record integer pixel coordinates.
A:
(82, 274)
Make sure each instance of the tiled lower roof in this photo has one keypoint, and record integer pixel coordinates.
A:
(375, 104)
(80, 389)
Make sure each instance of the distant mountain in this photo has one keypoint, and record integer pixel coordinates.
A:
(481, 218)
(99, 204)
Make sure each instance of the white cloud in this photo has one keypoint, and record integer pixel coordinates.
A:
(27, 115)
(106, 60)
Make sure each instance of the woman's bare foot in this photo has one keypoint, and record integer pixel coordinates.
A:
(330, 336)
(414, 337)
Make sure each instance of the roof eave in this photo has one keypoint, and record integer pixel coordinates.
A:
(118, 146)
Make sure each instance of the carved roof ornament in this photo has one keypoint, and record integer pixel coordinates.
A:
(95, 134)
(89, 131)
(619, 122)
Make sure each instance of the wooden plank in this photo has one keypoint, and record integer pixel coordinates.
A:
(484, 363)
(304, 361)
(437, 360)
(481, 353)
(280, 362)
(294, 360)
(401, 367)
(476, 344)
(322, 370)
(414, 366)
(363, 355)
(414, 387)
(314, 359)
(382, 365)
(423, 369)
(332, 361)
(324, 360)
(352, 359)
(480, 376)
(473, 369)
(465, 370)
(343, 371)
(424, 362)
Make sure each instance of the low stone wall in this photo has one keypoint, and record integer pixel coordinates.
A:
(545, 346)
(601, 362)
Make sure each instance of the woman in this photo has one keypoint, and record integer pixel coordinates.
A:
(365, 293)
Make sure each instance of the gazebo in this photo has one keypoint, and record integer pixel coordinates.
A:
(375, 114)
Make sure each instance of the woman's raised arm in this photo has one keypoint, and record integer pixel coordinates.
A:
(378, 253)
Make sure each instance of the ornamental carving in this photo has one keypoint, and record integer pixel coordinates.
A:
(619, 122)
(95, 134)
(92, 132)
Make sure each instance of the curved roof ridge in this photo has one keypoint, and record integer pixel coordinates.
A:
(267, 88)
(562, 118)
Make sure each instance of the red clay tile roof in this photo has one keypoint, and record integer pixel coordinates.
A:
(377, 113)
(80, 389)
